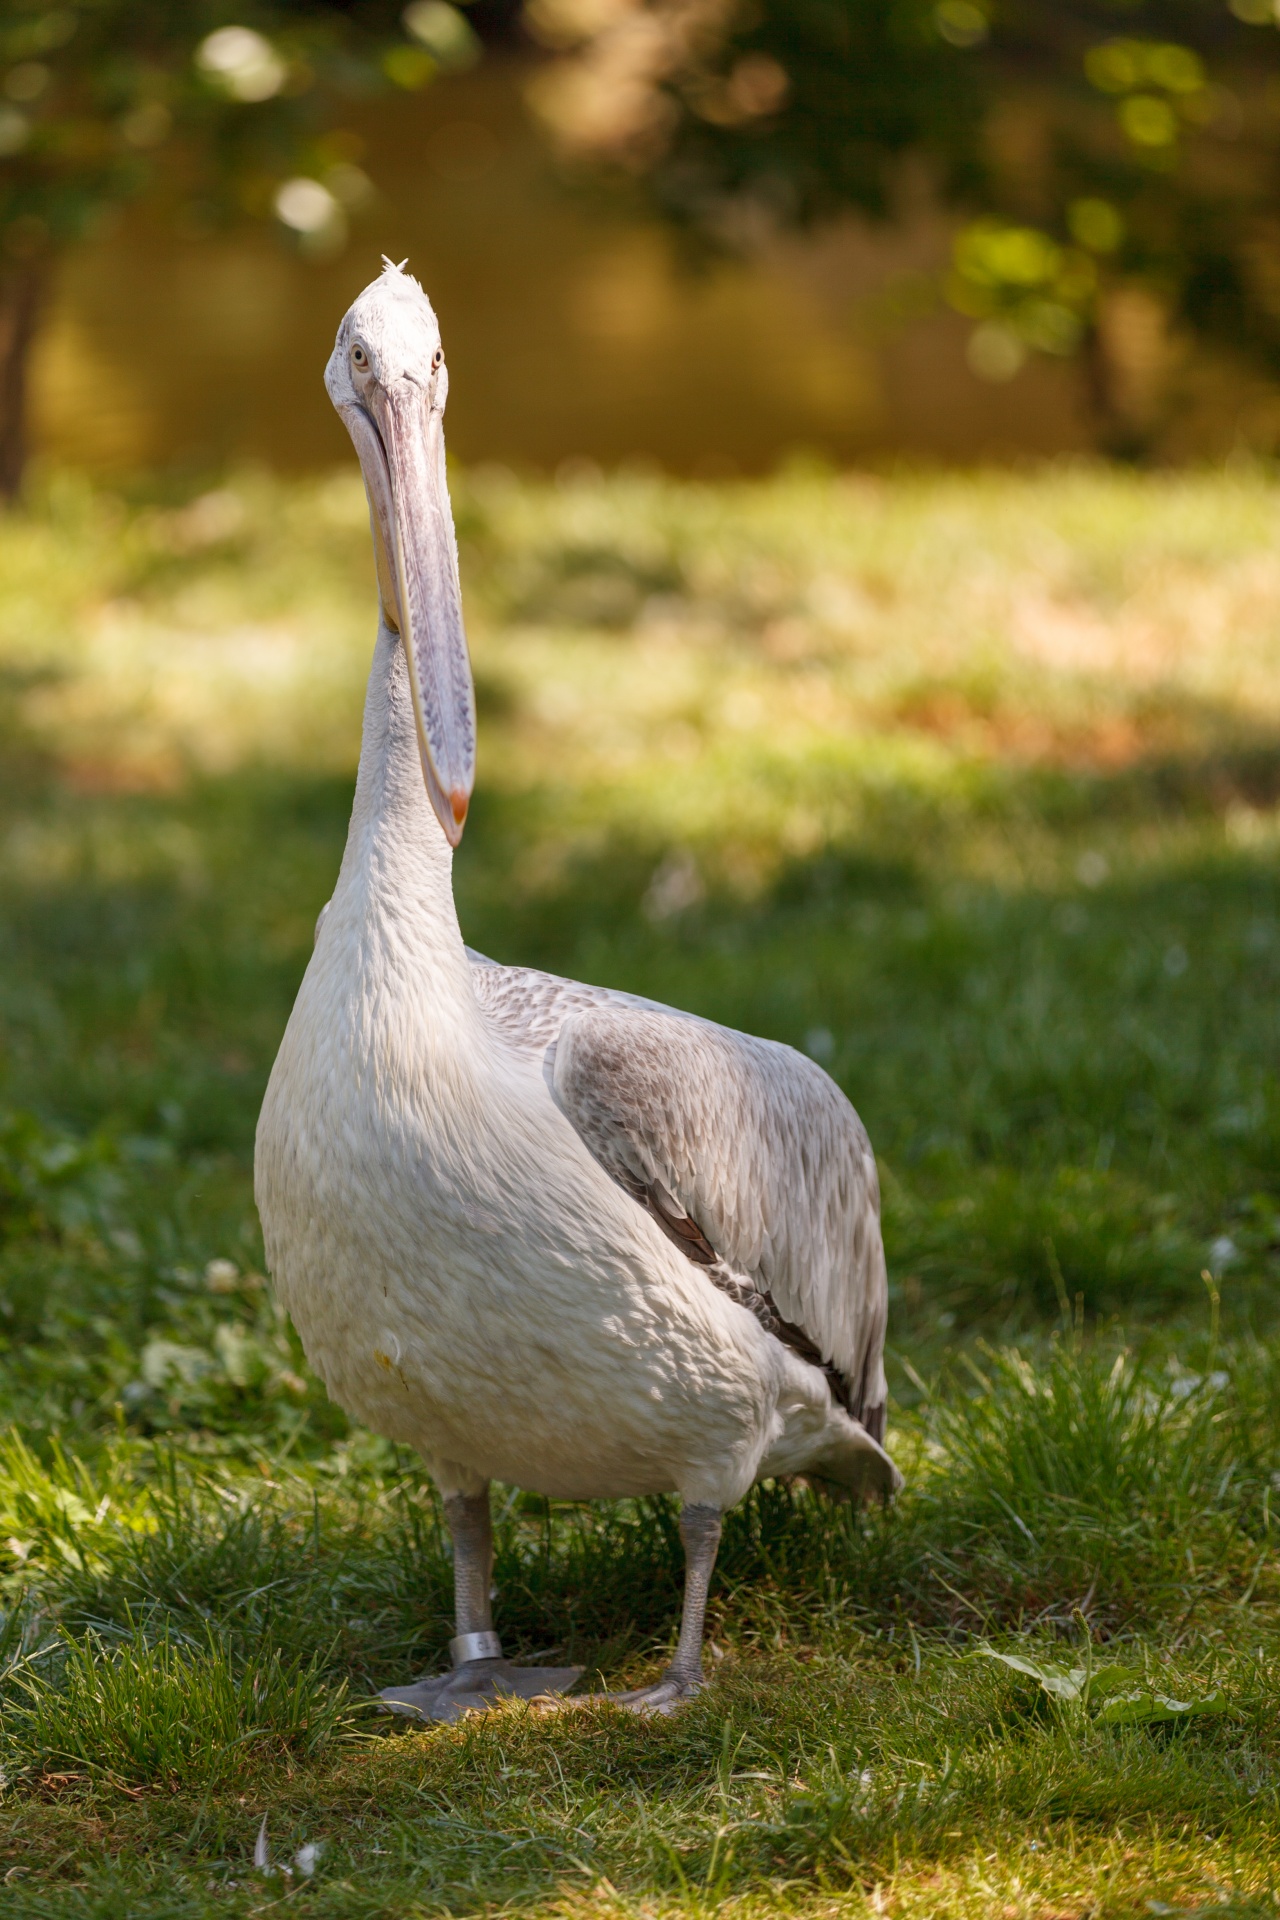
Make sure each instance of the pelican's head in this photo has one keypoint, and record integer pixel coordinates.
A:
(386, 376)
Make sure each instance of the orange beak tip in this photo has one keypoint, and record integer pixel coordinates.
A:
(458, 804)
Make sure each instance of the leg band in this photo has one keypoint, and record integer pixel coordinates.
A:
(474, 1646)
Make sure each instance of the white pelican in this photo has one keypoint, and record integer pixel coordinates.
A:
(541, 1232)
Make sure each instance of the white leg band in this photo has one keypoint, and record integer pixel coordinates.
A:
(474, 1646)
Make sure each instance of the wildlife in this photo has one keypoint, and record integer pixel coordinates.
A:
(542, 1232)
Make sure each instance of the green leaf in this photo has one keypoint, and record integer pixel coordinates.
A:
(1143, 1707)
(1089, 1684)
(1064, 1683)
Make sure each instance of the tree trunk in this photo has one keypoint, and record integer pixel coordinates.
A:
(1113, 430)
(20, 289)
(1128, 360)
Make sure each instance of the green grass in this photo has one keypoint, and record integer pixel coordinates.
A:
(146, 1712)
(966, 783)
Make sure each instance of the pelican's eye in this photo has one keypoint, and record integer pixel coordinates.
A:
(437, 358)
(359, 358)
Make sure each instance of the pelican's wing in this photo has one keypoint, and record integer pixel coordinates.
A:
(744, 1150)
(529, 1008)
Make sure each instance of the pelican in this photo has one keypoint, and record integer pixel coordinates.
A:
(541, 1232)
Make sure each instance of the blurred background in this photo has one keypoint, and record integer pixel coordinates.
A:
(686, 231)
(861, 421)
(577, 324)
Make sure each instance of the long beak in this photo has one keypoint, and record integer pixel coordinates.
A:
(401, 450)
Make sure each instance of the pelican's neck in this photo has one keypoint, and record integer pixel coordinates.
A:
(397, 871)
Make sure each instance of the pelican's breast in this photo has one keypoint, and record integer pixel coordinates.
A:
(465, 1278)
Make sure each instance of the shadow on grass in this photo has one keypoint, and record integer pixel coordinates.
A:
(1071, 1088)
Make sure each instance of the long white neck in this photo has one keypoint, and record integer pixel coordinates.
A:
(395, 889)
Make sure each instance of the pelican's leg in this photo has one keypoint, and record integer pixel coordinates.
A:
(700, 1532)
(471, 1530)
(481, 1676)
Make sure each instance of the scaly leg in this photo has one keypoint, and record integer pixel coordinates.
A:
(700, 1533)
(481, 1676)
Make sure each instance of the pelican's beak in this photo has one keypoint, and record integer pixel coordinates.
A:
(400, 440)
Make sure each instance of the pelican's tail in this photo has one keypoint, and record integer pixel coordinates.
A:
(856, 1467)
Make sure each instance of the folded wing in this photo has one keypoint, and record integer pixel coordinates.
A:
(744, 1151)
(749, 1156)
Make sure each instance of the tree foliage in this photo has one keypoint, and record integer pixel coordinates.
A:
(212, 104)
(1094, 145)
(214, 108)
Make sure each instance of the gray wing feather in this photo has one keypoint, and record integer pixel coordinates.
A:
(758, 1148)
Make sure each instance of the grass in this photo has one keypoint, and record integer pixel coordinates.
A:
(968, 784)
(145, 1712)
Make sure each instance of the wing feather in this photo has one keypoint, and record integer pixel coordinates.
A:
(747, 1141)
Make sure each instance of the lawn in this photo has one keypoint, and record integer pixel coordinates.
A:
(968, 784)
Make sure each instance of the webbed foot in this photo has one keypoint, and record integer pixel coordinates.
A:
(474, 1687)
(662, 1697)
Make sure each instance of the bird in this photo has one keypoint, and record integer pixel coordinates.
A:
(545, 1233)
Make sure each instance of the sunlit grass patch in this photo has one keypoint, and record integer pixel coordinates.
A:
(142, 1711)
(634, 629)
(800, 1784)
(1074, 1486)
(152, 1712)
(57, 1514)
